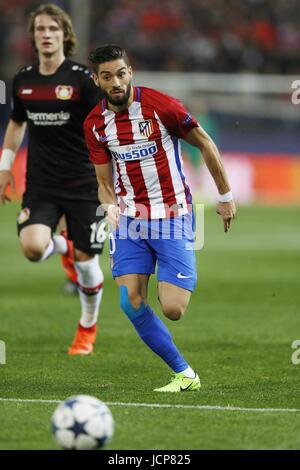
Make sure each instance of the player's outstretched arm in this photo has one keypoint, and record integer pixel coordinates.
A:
(107, 195)
(226, 207)
(13, 138)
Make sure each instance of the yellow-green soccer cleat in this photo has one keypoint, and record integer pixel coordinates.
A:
(180, 383)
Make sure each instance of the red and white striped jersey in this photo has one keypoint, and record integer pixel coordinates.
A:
(143, 144)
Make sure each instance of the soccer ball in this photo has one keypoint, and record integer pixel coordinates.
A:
(82, 422)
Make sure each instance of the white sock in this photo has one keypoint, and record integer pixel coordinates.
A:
(57, 244)
(50, 250)
(189, 373)
(90, 287)
(61, 246)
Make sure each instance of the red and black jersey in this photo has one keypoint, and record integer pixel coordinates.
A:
(55, 107)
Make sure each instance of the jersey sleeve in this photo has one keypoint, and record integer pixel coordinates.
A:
(177, 119)
(98, 152)
(18, 111)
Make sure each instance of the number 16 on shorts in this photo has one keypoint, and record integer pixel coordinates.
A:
(98, 234)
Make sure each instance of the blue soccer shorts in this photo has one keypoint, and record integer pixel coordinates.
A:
(138, 245)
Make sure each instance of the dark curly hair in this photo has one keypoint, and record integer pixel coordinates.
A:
(62, 19)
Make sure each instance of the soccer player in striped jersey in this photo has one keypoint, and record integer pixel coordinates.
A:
(133, 138)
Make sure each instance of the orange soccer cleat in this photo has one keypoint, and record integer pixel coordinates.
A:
(67, 260)
(84, 340)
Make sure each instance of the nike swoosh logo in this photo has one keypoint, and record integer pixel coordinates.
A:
(186, 388)
(181, 276)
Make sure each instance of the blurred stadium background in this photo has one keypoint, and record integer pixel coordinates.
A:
(231, 62)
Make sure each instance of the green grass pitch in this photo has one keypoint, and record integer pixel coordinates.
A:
(237, 333)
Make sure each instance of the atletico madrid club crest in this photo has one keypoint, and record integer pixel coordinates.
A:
(146, 127)
(64, 92)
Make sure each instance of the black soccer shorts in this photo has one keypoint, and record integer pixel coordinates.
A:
(85, 229)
